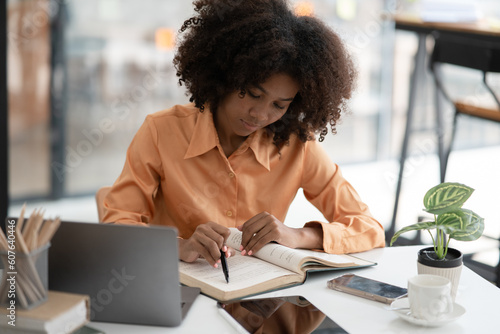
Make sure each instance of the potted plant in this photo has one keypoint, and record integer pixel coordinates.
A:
(451, 221)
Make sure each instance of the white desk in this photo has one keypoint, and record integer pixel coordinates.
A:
(480, 298)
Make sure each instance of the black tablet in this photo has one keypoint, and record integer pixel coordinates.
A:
(277, 315)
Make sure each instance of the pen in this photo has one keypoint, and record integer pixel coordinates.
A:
(224, 265)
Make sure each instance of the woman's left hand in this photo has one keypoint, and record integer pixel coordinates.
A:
(263, 229)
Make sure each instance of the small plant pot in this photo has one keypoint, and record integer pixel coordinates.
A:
(449, 267)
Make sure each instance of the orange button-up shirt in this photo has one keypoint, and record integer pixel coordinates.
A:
(177, 152)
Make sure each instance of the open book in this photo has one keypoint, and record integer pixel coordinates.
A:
(273, 267)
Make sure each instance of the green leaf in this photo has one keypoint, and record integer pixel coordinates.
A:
(451, 222)
(474, 227)
(414, 227)
(446, 197)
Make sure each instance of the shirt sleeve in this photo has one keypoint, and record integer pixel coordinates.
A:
(131, 198)
(351, 227)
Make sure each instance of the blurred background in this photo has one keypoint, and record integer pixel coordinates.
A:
(82, 76)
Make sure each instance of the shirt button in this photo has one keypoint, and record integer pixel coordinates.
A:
(231, 174)
(229, 213)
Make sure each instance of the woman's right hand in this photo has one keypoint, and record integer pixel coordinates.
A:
(206, 242)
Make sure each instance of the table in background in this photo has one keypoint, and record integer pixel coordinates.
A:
(480, 298)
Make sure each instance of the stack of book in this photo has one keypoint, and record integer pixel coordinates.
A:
(61, 313)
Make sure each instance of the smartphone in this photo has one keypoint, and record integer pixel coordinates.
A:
(367, 288)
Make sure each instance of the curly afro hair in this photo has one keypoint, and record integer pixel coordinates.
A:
(230, 45)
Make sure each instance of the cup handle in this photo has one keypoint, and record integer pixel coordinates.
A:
(448, 302)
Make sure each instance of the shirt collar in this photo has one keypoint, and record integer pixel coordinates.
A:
(261, 145)
(205, 138)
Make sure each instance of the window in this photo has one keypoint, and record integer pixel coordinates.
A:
(84, 74)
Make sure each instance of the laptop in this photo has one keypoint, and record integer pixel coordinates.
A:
(129, 272)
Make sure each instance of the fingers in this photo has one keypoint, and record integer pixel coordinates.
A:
(259, 231)
(252, 226)
(207, 242)
(228, 251)
(257, 241)
(209, 246)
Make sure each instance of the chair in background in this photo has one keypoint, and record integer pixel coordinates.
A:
(476, 54)
(160, 210)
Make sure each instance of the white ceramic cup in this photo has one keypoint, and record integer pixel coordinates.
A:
(430, 297)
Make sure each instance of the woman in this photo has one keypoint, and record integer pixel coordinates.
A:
(263, 83)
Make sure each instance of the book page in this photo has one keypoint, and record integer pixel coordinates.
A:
(280, 255)
(333, 259)
(244, 272)
(292, 259)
